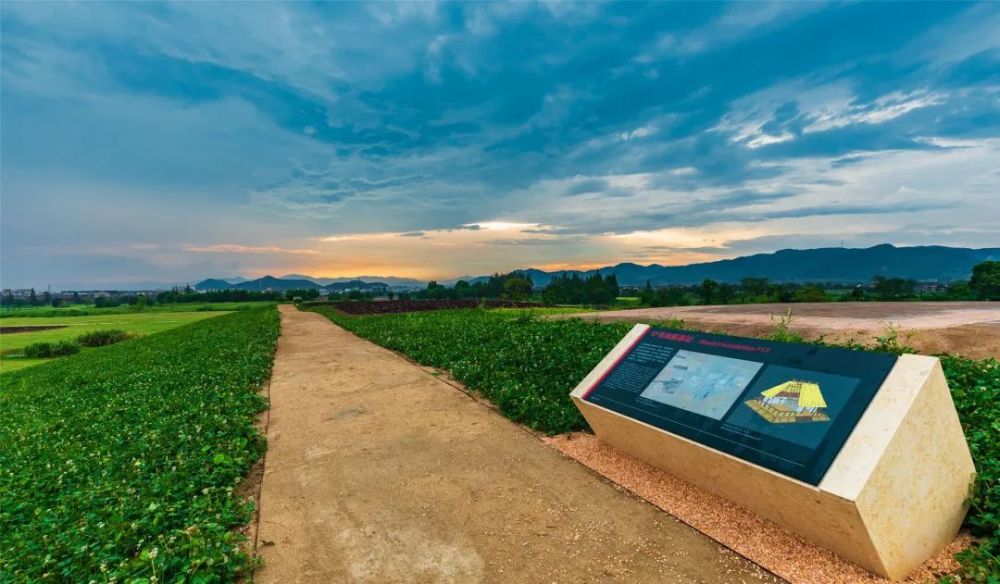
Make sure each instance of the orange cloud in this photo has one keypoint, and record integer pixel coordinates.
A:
(249, 249)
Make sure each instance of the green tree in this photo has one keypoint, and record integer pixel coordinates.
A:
(435, 291)
(303, 293)
(463, 289)
(648, 295)
(707, 290)
(985, 281)
(754, 289)
(893, 288)
(611, 284)
(810, 293)
(725, 294)
(517, 288)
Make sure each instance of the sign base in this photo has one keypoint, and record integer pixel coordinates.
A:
(893, 496)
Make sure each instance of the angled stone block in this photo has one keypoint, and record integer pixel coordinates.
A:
(893, 496)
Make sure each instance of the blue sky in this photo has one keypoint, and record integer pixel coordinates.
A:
(146, 142)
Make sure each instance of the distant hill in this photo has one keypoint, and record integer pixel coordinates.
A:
(830, 264)
(387, 280)
(270, 284)
(261, 284)
(356, 285)
(213, 284)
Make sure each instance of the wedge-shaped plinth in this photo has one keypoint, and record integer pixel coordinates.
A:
(894, 495)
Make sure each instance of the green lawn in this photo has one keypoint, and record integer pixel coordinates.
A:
(119, 464)
(90, 310)
(137, 323)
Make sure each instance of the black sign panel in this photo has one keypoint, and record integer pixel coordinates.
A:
(788, 407)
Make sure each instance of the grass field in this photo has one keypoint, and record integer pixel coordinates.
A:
(89, 310)
(137, 323)
(119, 464)
(527, 366)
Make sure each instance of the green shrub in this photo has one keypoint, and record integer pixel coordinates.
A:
(975, 387)
(783, 329)
(102, 338)
(44, 350)
(120, 465)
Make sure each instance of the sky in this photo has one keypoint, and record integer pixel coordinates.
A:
(148, 142)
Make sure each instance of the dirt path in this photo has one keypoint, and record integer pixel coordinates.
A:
(379, 472)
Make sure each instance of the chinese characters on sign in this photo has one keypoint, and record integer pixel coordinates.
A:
(785, 406)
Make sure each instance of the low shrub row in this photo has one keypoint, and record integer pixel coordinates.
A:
(120, 465)
(101, 338)
(528, 366)
(45, 350)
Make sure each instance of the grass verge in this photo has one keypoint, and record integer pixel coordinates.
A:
(137, 323)
(119, 463)
(90, 310)
(527, 367)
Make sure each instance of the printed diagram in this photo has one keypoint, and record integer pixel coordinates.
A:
(791, 402)
(700, 383)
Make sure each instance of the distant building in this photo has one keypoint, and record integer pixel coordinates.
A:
(930, 288)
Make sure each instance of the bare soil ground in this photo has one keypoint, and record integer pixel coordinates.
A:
(754, 537)
(377, 471)
(10, 330)
(970, 329)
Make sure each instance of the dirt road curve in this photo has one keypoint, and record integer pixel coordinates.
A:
(379, 472)
(971, 329)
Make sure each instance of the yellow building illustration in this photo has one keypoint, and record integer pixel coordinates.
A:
(791, 402)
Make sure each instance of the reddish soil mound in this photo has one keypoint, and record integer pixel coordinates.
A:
(9, 330)
(969, 329)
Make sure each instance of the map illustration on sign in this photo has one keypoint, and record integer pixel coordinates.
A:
(788, 407)
(701, 383)
(791, 402)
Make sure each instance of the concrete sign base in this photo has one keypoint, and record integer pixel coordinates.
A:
(894, 495)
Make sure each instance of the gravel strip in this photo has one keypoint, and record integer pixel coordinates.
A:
(759, 540)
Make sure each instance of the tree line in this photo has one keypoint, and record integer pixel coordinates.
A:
(984, 284)
(516, 285)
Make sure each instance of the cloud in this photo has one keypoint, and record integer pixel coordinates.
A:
(484, 135)
(246, 249)
(590, 185)
(734, 22)
(883, 109)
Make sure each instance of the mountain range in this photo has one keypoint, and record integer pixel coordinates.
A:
(269, 283)
(832, 264)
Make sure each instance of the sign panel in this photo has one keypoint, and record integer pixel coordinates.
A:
(788, 407)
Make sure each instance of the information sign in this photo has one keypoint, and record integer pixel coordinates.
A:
(788, 407)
